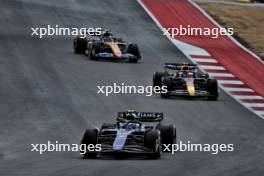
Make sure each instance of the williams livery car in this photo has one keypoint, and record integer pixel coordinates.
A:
(186, 80)
(106, 46)
(137, 133)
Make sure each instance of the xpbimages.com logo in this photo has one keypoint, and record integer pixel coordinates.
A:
(195, 31)
(130, 89)
(214, 149)
(57, 30)
(60, 147)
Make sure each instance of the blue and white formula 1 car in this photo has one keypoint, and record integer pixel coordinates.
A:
(134, 132)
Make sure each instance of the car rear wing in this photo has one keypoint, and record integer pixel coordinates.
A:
(143, 116)
(178, 66)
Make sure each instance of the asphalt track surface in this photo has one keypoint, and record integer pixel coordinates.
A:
(49, 93)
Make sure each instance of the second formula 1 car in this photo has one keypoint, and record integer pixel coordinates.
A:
(106, 46)
(186, 80)
(137, 133)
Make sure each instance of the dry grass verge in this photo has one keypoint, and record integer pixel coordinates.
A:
(248, 23)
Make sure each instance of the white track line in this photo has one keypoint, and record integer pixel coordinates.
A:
(209, 67)
(188, 49)
(261, 113)
(229, 75)
(231, 89)
(236, 82)
(251, 105)
(205, 60)
(248, 97)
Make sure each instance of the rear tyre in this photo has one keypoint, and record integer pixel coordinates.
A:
(90, 137)
(153, 142)
(133, 49)
(79, 45)
(212, 88)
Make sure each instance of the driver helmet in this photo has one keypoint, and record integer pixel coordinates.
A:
(131, 126)
(184, 67)
(131, 115)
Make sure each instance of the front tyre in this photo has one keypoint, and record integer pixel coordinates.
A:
(93, 52)
(153, 142)
(168, 134)
(90, 137)
(79, 45)
(166, 81)
(212, 88)
(157, 76)
(133, 49)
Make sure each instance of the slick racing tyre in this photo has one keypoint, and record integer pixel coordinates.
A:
(157, 78)
(212, 88)
(168, 134)
(94, 50)
(133, 49)
(79, 45)
(153, 142)
(166, 81)
(90, 137)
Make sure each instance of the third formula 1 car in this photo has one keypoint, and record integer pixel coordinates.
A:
(137, 133)
(106, 46)
(186, 80)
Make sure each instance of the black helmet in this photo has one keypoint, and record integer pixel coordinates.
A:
(131, 115)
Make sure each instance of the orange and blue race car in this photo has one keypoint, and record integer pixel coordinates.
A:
(186, 80)
(106, 46)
